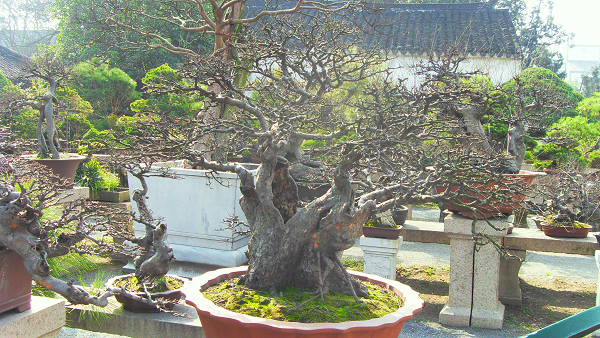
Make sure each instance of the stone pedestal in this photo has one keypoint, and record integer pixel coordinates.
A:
(381, 256)
(510, 287)
(474, 275)
(194, 207)
(44, 320)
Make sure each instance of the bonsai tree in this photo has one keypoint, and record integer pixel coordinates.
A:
(48, 68)
(570, 195)
(527, 104)
(340, 98)
(27, 191)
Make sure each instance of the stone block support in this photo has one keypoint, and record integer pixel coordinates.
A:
(510, 287)
(44, 320)
(381, 256)
(474, 274)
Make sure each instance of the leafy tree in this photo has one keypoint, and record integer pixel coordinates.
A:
(172, 104)
(24, 24)
(82, 40)
(590, 84)
(109, 90)
(536, 33)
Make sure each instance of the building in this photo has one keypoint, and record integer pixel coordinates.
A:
(14, 65)
(486, 36)
(580, 59)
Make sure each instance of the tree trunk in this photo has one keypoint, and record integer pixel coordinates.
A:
(516, 142)
(286, 242)
(472, 117)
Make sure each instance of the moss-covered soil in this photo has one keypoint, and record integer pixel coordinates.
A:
(287, 306)
(158, 284)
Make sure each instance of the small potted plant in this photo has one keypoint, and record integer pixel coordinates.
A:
(562, 225)
(571, 203)
(374, 227)
(50, 70)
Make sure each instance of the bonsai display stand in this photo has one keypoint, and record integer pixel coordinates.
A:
(194, 207)
(381, 256)
(474, 275)
(45, 319)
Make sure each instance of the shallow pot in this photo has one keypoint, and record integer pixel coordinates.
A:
(118, 195)
(15, 283)
(220, 323)
(566, 231)
(137, 306)
(399, 214)
(387, 233)
(506, 208)
(63, 168)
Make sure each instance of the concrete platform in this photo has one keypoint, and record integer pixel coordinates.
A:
(116, 321)
(44, 320)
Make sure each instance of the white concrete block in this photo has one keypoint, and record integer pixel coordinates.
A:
(194, 208)
(381, 256)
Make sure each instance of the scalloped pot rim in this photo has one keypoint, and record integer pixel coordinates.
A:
(412, 303)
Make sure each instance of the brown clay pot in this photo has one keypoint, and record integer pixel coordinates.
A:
(387, 233)
(64, 168)
(505, 208)
(220, 323)
(15, 283)
(399, 214)
(137, 306)
(566, 231)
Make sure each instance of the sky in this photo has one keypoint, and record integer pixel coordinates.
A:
(580, 17)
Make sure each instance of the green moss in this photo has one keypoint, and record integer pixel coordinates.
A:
(554, 223)
(336, 308)
(377, 223)
(158, 284)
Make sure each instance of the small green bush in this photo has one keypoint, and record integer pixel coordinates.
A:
(94, 176)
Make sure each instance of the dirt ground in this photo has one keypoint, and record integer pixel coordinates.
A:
(546, 299)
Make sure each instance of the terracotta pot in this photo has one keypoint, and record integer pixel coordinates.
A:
(64, 168)
(538, 222)
(15, 283)
(387, 233)
(566, 231)
(399, 214)
(137, 306)
(505, 208)
(220, 323)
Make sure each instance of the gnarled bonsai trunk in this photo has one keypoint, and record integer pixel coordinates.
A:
(290, 245)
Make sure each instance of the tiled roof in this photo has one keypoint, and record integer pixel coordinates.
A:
(12, 64)
(475, 29)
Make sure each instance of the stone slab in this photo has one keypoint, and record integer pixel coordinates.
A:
(456, 224)
(73, 194)
(535, 240)
(520, 239)
(115, 320)
(45, 319)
